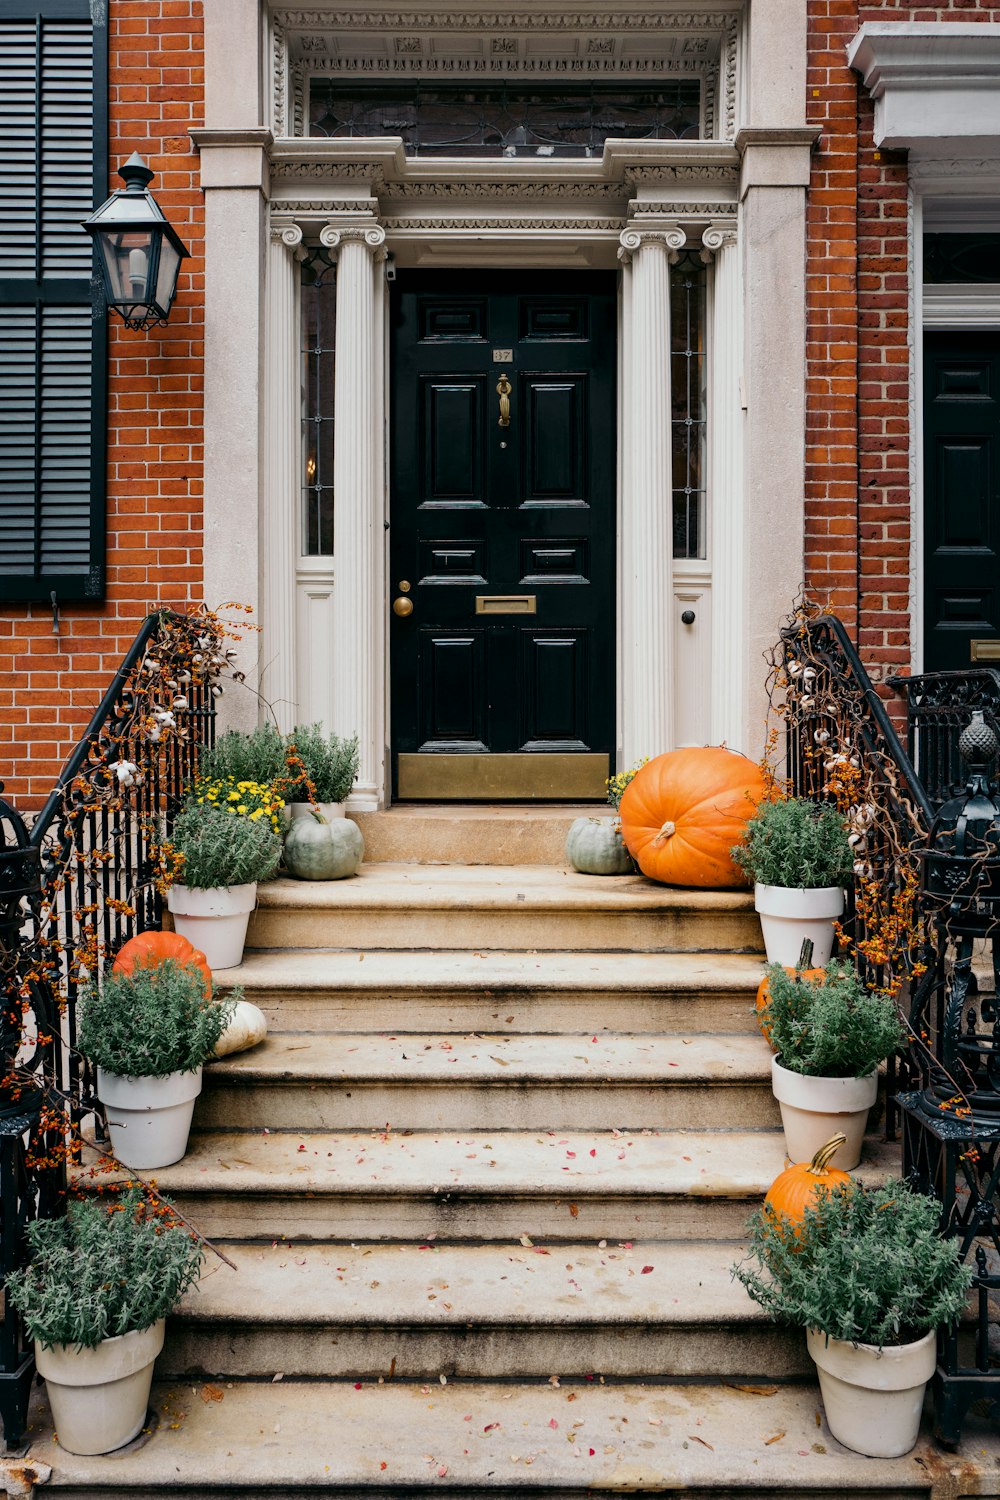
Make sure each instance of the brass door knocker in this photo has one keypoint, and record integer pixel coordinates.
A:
(504, 389)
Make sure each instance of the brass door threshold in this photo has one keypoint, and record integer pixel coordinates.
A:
(497, 778)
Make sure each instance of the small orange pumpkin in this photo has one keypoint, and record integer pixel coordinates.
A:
(683, 812)
(148, 949)
(814, 976)
(799, 1187)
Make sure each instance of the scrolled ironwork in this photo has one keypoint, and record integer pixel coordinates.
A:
(73, 888)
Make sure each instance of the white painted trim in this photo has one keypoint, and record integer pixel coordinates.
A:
(915, 233)
(962, 306)
(934, 83)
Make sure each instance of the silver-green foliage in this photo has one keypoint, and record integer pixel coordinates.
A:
(330, 763)
(153, 1021)
(869, 1266)
(796, 843)
(831, 1027)
(259, 756)
(220, 848)
(100, 1271)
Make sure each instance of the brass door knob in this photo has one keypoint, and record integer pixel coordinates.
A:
(402, 607)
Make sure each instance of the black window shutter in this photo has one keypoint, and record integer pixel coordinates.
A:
(53, 328)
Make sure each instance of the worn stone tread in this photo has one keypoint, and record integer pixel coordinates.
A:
(520, 1439)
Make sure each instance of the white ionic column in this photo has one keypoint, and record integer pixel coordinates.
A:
(646, 569)
(354, 659)
(282, 479)
(725, 442)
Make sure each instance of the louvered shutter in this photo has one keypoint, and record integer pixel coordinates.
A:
(53, 150)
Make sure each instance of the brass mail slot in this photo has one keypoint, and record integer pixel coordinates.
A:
(506, 604)
(984, 650)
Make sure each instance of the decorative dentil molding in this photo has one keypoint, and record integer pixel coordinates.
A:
(464, 223)
(323, 208)
(301, 171)
(683, 173)
(678, 209)
(506, 21)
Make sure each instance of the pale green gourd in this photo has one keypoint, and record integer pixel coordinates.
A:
(594, 847)
(318, 850)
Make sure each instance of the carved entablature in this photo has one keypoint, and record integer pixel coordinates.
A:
(628, 45)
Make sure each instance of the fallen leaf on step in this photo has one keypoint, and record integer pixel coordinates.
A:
(212, 1393)
(646, 1270)
(751, 1390)
(275, 1378)
(526, 1241)
(574, 1211)
(694, 1438)
(775, 1439)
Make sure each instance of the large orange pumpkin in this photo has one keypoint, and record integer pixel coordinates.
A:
(683, 812)
(798, 1187)
(148, 949)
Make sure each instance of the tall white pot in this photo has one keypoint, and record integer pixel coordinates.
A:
(99, 1397)
(215, 920)
(814, 1109)
(149, 1119)
(787, 916)
(872, 1397)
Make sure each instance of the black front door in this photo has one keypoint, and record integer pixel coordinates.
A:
(502, 555)
(961, 499)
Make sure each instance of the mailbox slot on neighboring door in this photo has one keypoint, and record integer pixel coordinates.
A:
(984, 650)
(505, 604)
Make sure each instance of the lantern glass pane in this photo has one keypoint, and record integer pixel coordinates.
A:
(127, 255)
(166, 277)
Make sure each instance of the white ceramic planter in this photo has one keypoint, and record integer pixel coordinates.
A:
(329, 810)
(215, 920)
(814, 1109)
(149, 1119)
(788, 916)
(873, 1398)
(99, 1397)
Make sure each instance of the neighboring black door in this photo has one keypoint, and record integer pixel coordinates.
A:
(961, 499)
(502, 536)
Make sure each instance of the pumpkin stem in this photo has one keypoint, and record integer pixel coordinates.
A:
(666, 832)
(823, 1156)
(805, 954)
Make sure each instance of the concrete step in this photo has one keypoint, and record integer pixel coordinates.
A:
(480, 834)
(404, 1185)
(446, 1081)
(392, 906)
(478, 1311)
(449, 990)
(357, 1439)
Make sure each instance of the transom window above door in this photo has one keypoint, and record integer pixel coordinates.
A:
(507, 119)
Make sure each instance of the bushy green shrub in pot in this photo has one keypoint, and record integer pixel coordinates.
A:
(830, 1034)
(149, 1032)
(223, 855)
(870, 1279)
(330, 764)
(797, 854)
(94, 1298)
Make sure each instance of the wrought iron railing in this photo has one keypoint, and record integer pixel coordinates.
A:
(939, 705)
(72, 891)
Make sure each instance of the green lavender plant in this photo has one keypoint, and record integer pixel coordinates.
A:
(831, 1027)
(153, 1021)
(330, 763)
(796, 843)
(219, 849)
(868, 1266)
(259, 756)
(102, 1270)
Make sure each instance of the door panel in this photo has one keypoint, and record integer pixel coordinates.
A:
(961, 495)
(490, 521)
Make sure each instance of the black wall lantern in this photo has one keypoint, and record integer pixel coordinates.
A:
(140, 252)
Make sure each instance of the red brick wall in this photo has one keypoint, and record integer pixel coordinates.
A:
(50, 686)
(857, 426)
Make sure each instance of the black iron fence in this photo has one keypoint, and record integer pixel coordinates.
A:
(73, 889)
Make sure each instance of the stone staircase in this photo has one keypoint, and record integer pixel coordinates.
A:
(482, 1188)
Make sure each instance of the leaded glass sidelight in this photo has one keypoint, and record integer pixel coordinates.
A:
(507, 119)
(689, 403)
(319, 330)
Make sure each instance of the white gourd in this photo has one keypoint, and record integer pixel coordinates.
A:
(246, 1028)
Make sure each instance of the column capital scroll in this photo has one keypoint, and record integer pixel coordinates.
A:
(716, 236)
(286, 234)
(333, 235)
(632, 239)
